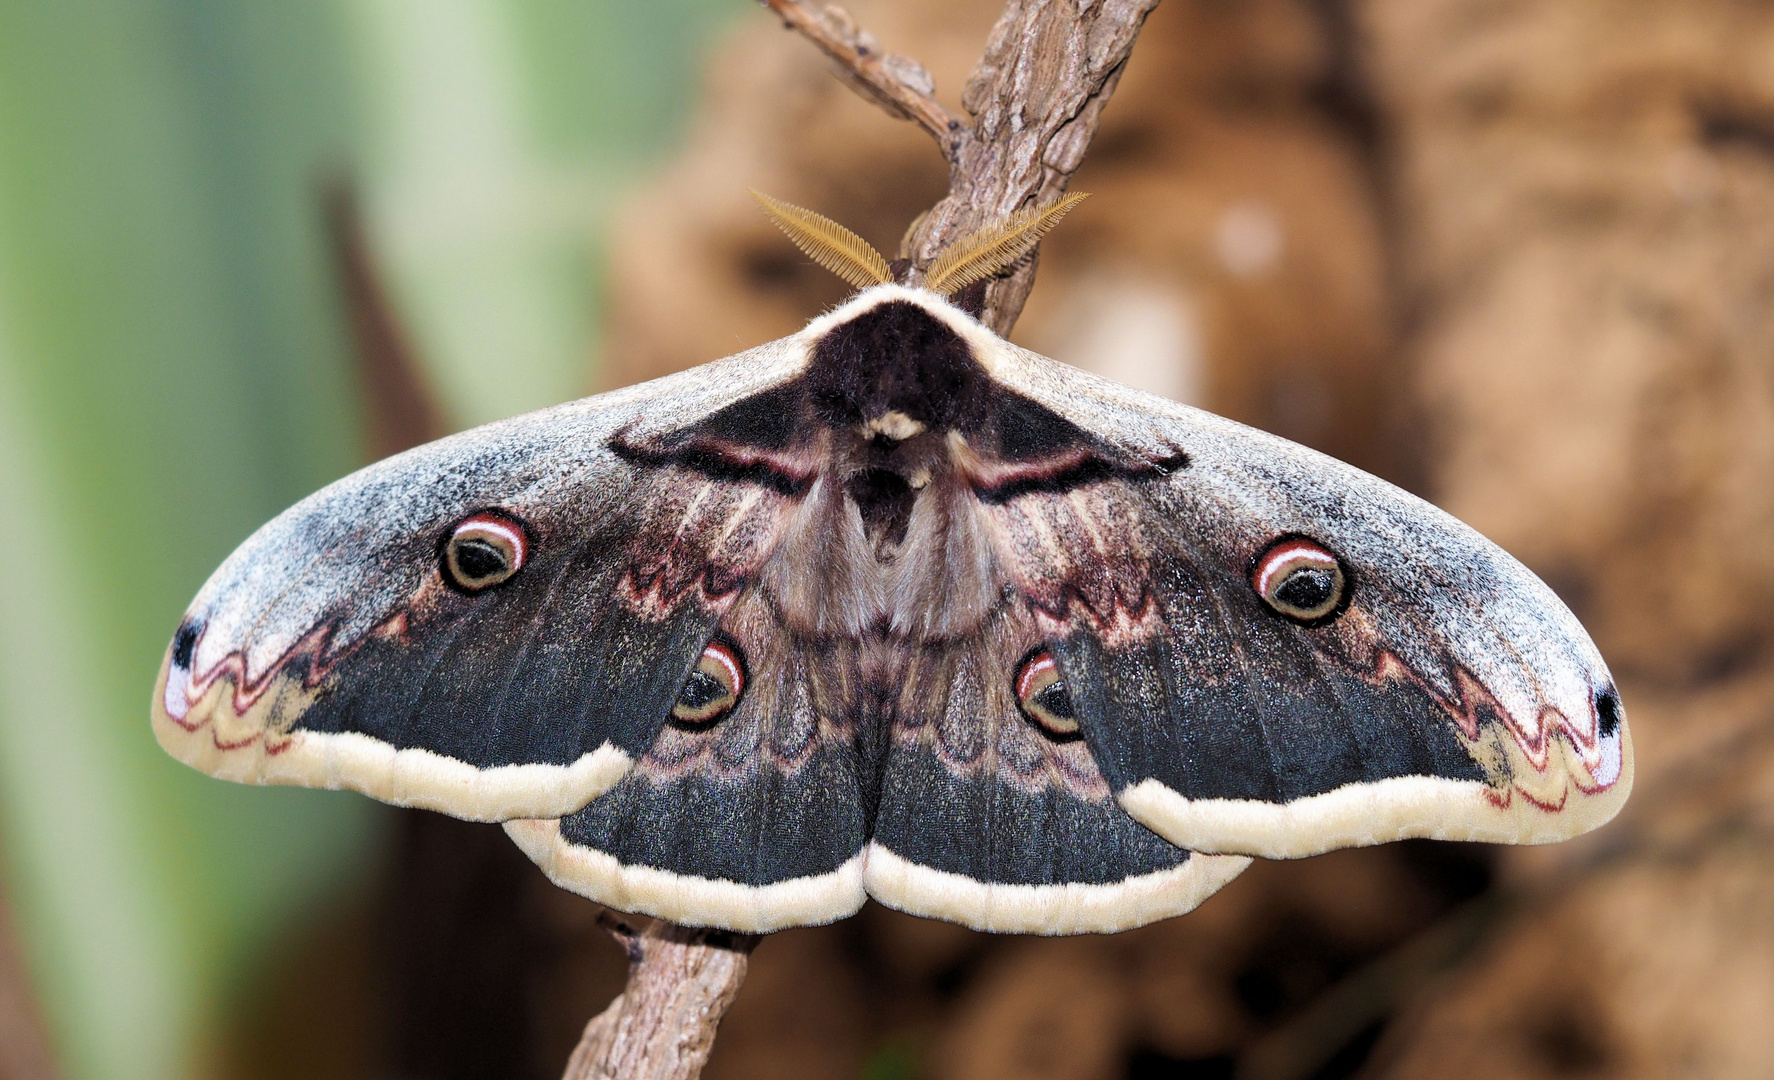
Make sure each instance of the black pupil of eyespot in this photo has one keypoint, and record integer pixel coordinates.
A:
(1607, 711)
(1054, 700)
(1307, 588)
(701, 690)
(479, 559)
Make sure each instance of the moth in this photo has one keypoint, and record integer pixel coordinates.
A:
(894, 608)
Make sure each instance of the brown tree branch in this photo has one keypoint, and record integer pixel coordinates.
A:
(1036, 98)
(662, 1026)
(897, 83)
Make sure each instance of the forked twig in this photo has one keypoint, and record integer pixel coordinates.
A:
(897, 83)
(1036, 98)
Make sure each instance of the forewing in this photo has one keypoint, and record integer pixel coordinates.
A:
(1453, 695)
(331, 651)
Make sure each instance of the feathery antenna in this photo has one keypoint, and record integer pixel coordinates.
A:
(979, 255)
(828, 243)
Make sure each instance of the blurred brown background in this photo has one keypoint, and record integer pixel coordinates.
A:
(1515, 256)
(1518, 257)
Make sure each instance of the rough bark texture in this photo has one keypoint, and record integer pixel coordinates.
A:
(897, 83)
(1036, 98)
(662, 1026)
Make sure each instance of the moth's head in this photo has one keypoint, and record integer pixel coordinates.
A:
(971, 260)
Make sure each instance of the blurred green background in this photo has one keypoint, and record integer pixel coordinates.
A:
(175, 368)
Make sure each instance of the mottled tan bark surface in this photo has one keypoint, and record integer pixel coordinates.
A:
(1032, 105)
(662, 1026)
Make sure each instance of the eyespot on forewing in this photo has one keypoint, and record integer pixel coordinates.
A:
(714, 687)
(1042, 696)
(484, 550)
(1301, 580)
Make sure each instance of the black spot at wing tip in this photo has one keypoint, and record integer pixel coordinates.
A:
(184, 643)
(1607, 712)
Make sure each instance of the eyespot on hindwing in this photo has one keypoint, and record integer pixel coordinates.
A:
(1041, 694)
(484, 550)
(1301, 580)
(714, 687)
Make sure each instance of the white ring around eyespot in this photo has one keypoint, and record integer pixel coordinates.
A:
(501, 528)
(1291, 552)
(1042, 662)
(724, 656)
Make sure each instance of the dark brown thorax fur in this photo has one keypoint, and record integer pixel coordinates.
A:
(893, 438)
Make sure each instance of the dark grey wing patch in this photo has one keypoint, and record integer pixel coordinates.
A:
(989, 820)
(1275, 654)
(494, 625)
(1224, 701)
(752, 821)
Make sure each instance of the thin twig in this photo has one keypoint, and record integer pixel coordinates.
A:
(662, 1026)
(897, 83)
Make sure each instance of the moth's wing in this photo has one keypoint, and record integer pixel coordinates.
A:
(752, 824)
(986, 821)
(329, 651)
(1455, 697)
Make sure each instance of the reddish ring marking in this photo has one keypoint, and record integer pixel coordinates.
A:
(1289, 552)
(1038, 664)
(502, 527)
(725, 657)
